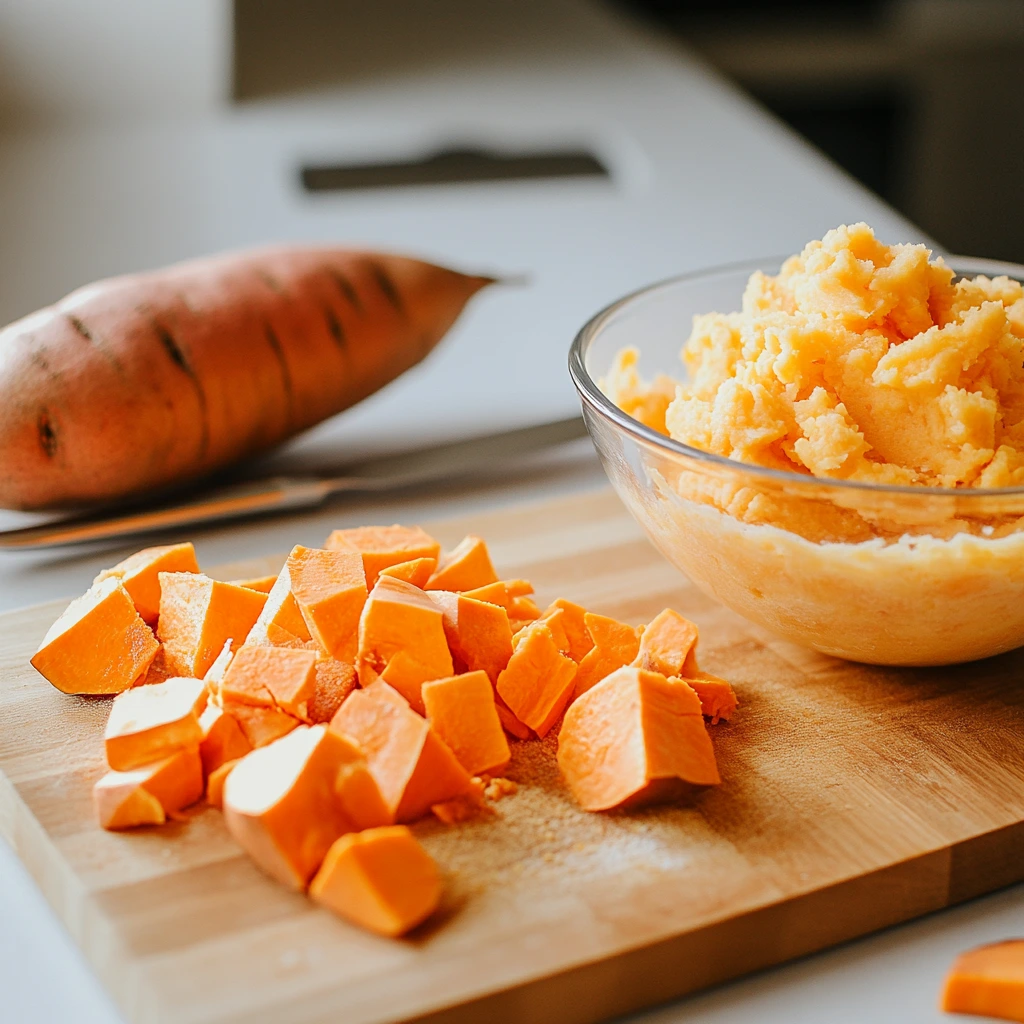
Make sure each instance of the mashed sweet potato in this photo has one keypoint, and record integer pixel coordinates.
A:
(858, 361)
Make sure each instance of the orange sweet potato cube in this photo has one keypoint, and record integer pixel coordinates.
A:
(280, 613)
(581, 643)
(398, 617)
(222, 739)
(615, 645)
(466, 567)
(282, 802)
(381, 879)
(411, 765)
(384, 546)
(148, 723)
(198, 615)
(329, 588)
(140, 575)
(417, 571)
(478, 633)
(717, 698)
(335, 680)
(147, 795)
(633, 738)
(538, 681)
(987, 981)
(215, 782)
(272, 677)
(261, 724)
(461, 711)
(668, 645)
(98, 645)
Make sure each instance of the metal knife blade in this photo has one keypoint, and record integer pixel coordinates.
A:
(255, 497)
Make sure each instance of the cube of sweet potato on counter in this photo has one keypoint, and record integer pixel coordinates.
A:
(538, 681)
(461, 711)
(669, 645)
(98, 645)
(198, 615)
(615, 645)
(381, 879)
(147, 795)
(633, 738)
(384, 546)
(417, 571)
(281, 612)
(988, 981)
(467, 566)
(478, 633)
(329, 588)
(140, 574)
(148, 723)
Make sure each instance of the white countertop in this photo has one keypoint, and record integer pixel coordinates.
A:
(702, 176)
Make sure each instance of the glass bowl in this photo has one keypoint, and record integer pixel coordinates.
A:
(878, 574)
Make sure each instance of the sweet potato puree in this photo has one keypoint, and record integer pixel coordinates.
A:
(859, 362)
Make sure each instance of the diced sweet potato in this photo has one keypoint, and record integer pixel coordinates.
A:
(406, 676)
(717, 699)
(198, 615)
(503, 592)
(140, 575)
(281, 612)
(668, 645)
(572, 615)
(411, 765)
(384, 546)
(615, 645)
(329, 588)
(264, 584)
(553, 623)
(261, 725)
(478, 633)
(633, 738)
(461, 711)
(335, 680)
(222, 739)
(148, 723)
(271, 677)
(381, 879)
(215, 783)
(399, 617)
(538, 681)
(509, 722)
(281, 802)
(147, 795)
(98, 645)
(988, 982)
(466, 567)
(417, 571)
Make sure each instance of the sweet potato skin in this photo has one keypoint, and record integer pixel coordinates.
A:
(134, 384)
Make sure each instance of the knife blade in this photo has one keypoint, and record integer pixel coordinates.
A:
(279, 493)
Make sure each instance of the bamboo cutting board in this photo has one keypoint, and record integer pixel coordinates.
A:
(853, 798)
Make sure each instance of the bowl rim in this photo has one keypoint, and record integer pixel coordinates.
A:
(599, 402)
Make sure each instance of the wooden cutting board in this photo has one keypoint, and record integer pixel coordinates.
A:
(853, 798)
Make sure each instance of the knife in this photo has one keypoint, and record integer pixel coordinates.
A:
(278, 493)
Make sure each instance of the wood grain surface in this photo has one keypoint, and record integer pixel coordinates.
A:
(853, 798)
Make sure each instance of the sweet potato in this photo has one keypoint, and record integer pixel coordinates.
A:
(461, 710)
(381, 879)
(466, 567)
(141, 382)
(139, 575)
(988, 981)
(147, 795)
(384, 546)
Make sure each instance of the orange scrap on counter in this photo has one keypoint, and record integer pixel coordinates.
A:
(461, 711)
(330, 591)
(384, 546)
(381, 879)
(140, 575)
(282, 806)
(148, 795)
(615, 645)
(100, 643)
(632, 738)
(988, 981)
(147, 723)
(413, 767)
(466, 567)
(370, 683)
(198, 615)
(538, 681)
